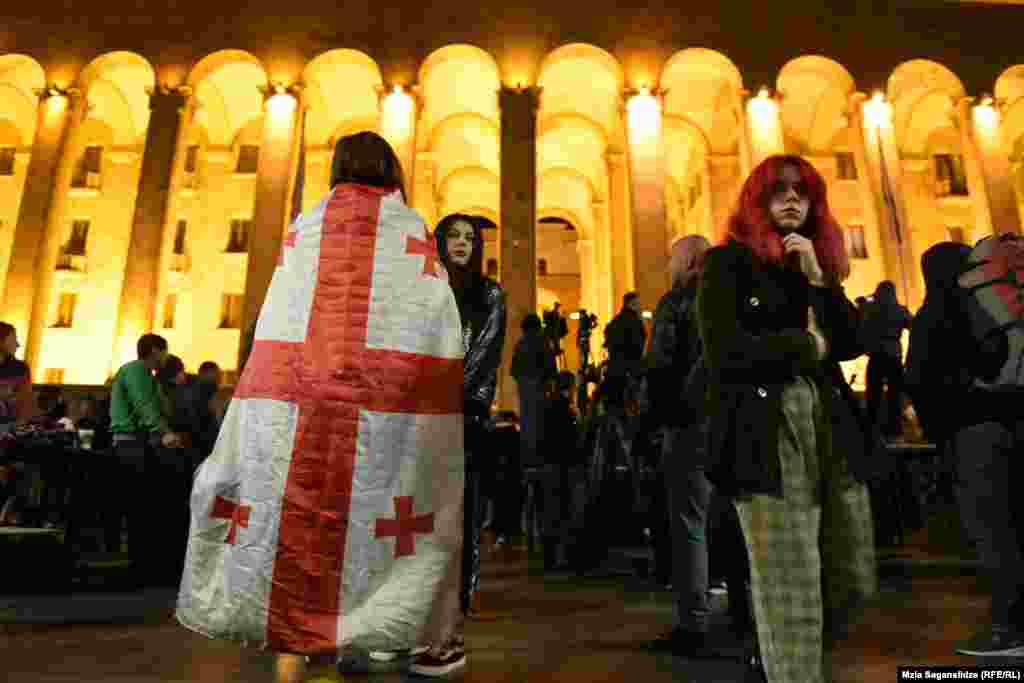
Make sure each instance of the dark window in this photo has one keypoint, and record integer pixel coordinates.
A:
(87, 175)
(170, 306)
(248, 159)
(951, 181)
(66, 310)
(856, 247)
(78, 239)
(231, 312)
(191, 158)
(6, 160)
(542, 267)
(180, 233)
(846, 166)
(238, 240)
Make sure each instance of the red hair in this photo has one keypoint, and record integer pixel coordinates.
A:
(751, 223)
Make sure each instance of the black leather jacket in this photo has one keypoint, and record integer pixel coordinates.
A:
(483, 337)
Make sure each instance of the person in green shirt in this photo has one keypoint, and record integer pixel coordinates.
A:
(139, 424)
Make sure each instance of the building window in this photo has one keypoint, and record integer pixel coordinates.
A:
(956, 234)
(170, 307)
(542, 267)
(950, 179)
(191, 158)
(6, 160)
(231, 312)
(66, 309)
(248, 158)
(492, 267)
(87, 175)
(180, 233)
(856, 247)
(238, 240)
(53, 376)
(78, 239)
(846, 167)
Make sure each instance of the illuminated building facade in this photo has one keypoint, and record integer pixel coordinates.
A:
(148, 188)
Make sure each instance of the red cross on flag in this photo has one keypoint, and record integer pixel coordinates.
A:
(329, 511)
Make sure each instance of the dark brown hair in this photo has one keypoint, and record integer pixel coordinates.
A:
(368, 159)
(148, 343)
(6, 330)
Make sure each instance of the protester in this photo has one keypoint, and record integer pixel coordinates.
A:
(769, 308)
(533, 368)
(884, 321)
(625, 338)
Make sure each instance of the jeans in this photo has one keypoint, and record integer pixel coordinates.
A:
(988, 469)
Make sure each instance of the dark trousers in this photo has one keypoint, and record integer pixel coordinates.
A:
(472, 523)
(988, 472)
(886, 372)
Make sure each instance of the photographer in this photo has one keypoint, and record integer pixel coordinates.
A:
(625, 338)
(555, 329)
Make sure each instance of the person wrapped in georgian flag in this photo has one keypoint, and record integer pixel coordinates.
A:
(328, 515)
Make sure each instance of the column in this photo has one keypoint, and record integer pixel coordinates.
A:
(606, 285)
(989, 176)
(518, 252)
(49, 237)
(398, 110)
(762, 129)
(621, 225)
(47, 181)
(721, 187)
(880, 250)
(874, 132)
(273, 196)
(162, 160)
(423, 188)
(647, 190)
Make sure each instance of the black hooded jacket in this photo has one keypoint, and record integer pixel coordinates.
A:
(944, 360)
(481, 303)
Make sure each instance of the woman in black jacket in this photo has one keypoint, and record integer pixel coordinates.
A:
(770, 312)
(481, 302)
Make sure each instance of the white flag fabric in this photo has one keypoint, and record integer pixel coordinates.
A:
(329, 510)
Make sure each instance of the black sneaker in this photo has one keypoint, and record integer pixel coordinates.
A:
(682, 643)
(994, 642)
(435, 664)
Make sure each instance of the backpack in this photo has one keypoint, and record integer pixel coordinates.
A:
(992, 296)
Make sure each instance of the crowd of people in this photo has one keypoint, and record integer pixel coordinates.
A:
(761, 451)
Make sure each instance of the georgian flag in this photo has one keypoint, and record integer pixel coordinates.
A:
(330, 509)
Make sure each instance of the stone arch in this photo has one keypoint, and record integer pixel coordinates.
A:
(226, 85)
(565, 68)
(20, 78)
(458, 79)
(704, 86)
(574, 141)
(567, 189)
(924, 97)
(474, 185)
(117, 85)
(465, 140)
(1009, 91)
(351, 72)
(815, 94)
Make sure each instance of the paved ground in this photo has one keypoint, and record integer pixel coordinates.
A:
(540, 629)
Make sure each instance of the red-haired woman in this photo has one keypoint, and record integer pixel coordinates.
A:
(772, 315)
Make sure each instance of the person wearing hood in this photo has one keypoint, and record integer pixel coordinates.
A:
(481, 304)
(884, 322)
(946, 367)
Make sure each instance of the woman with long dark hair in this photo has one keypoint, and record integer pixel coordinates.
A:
(481, 302)
(771, 313)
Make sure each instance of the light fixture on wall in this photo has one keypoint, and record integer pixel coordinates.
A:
(877, 110)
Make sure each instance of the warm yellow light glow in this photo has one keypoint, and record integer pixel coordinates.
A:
(764, 93)
(986, 117)
(877, 112)
(397, 90)
(644, 113)
(986, 100)
(56, 103)
(281, 103)
(762, 108)
(397, 116)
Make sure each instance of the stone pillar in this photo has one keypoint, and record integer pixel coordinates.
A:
(762, 129)
(875, 234)
(398, 117)
(161, 164)
(721, 187)
(989, 177)
(273, 197)
(603, 261)
(423, 189)
(49, 238)
(518, 219)
(620, 225)
(875, 135)
(47, 181)
(647, 190)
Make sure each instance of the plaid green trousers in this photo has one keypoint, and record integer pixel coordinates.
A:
(803, 549)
